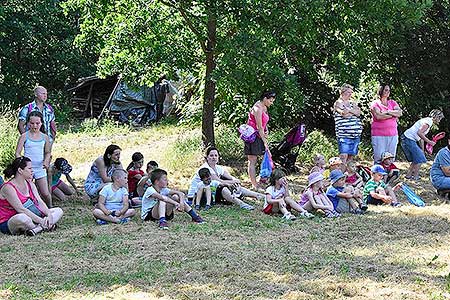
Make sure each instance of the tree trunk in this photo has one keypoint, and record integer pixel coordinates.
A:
(210, 84)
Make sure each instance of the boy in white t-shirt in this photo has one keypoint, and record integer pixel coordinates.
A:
(113, 200)
(206, 189)
(159, 202)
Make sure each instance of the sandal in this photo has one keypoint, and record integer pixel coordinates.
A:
(31, 232)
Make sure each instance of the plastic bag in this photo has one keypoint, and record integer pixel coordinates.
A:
(266, 165)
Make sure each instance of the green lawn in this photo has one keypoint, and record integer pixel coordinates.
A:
(387, 254)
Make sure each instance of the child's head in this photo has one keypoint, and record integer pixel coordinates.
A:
(334, 163)
(35, 121)
(120, 177)
(337, 178)
(387, 158)
(62, 165)
(205, 175)
(377, 173)
(319, 160)
(351, 166)
(137, 161)
(315, 179)
(151, 165)
(158, 178)
(276, 175)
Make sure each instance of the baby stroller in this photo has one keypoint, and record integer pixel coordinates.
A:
(282, 153)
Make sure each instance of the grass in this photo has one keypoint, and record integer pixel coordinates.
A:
(386, 254)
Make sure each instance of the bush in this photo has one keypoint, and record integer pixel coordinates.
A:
(186, 152)
(8, 135)
(317, 142)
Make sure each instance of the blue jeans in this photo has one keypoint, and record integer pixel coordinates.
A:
(412, 151)
(348, 146)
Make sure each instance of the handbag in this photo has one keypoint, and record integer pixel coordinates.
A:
(248, 133)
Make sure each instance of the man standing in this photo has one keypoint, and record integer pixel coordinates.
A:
(46, 109)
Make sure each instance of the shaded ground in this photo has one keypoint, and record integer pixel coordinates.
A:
(387, 254)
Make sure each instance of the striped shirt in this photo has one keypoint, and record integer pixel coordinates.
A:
(372, 186)
(47, 113)
(349, 127)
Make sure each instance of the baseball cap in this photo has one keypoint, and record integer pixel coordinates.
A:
(378, 169)
(386, 155)
(334, 161)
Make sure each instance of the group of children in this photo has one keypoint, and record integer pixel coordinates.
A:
(332, 189)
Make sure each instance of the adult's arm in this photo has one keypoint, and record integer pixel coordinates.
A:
(423, 137)
(396, 111)
(100, 163)
(20, 144)
(53, 128)
(47, 152)
(380, 115)
(340, 109)
(21, 126)
(446, 170)
(356, 111)
(226, 179)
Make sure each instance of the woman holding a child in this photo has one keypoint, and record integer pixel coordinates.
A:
(347, 124)
(385, 113)
(101, 171)
(229, 190)
(21, 208)
(258, 118)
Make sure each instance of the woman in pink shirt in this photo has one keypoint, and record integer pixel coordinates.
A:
(258, 119)
(21, 208)
(385, 113)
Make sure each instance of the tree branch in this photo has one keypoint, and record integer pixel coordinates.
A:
(200, 37)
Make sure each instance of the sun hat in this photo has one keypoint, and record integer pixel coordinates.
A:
(334, 161)
(335, 175)
(378, 169)
(63, 165)
(386, 155)
(314, 177)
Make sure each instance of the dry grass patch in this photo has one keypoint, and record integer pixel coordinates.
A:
(387, 254)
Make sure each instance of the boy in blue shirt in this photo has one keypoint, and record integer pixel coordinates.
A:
(342, 197)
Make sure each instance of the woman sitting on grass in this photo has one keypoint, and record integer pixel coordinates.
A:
(229, 190)
(21, 208)
(101, 171)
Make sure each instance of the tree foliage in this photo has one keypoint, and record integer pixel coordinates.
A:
(36, 47)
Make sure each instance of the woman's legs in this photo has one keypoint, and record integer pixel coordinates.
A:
(226, 194)
(21, 222)
(251, 169)
(248, 193)
(57, 214)
(42, 186)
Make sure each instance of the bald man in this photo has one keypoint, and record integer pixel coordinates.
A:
(46, 109)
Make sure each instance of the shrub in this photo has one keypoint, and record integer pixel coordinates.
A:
(8, 135)
(317, 142)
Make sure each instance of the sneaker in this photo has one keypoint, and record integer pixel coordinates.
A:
(357, 211)
(363, 206)
(101, 222)
(246, 206)
(163, 225)
(207, 207)
(307, 215)
(198, 220)
(197, 207)
(124, 220)
(396, 204)
(289, 217)
(188, 202)
(292, 217)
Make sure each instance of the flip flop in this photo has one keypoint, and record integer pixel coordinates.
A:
(436, 137)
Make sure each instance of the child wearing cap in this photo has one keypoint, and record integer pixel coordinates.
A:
(387, 162)
(343, 197)
(60, 189)
(314, 198)
(376, 191)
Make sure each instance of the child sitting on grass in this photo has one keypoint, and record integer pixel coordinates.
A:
(387, 162)
(59, 189)
(145, 182)
(159, 202)
(353, 178)
(342, 197)
(319, 163)
(206, 189)
(376, 192)
(315, 199)
(278, 198)
(113, 200)
(135, 174)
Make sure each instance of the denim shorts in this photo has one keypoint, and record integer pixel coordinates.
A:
(4, 228)
(412, 151)
(348, 146)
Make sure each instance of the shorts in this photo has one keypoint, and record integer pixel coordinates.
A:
(343, 206)
(256, 148)
(373, 201)
(4, 228)
(149, 217)
(412, 151)
(113, 206)
(348, 145)
(268, 210)
(39, 173)
(54, 187)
